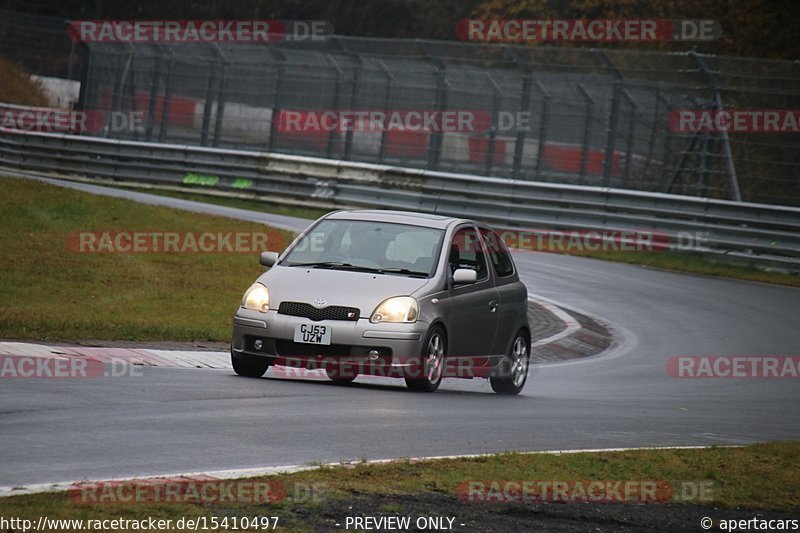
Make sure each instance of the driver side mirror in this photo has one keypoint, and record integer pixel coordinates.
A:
(268, 259)
(464, 276)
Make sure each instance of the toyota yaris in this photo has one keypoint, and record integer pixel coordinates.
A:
(388, 293)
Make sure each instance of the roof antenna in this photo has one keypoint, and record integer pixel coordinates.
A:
(438, 198)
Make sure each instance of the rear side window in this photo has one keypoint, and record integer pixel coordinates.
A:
(498, 253)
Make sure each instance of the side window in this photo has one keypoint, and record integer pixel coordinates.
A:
(466, 252)
(498, 253)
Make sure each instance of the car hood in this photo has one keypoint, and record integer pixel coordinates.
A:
(363, 290)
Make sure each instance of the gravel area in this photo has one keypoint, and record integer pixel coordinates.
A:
(550, 517)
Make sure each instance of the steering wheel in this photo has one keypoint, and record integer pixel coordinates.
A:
(366, 263)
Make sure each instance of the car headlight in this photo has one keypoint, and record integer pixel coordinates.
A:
(397, 309)
(256, 298)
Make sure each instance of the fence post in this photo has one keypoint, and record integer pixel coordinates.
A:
(726, 141)
(524, 107)
(496, 94)
(162, 134)
(387, 96)
(348, 138)
(629, 140)
(702, 185)
(435, 143)
(587, 131)
(221, 95)
(336, 89)
(71, 57)
(116, 95)
(276, 105)
(613, 116)
(542, 126)
(131, 85)
(209, 103)
(611, 133)
(152, 103)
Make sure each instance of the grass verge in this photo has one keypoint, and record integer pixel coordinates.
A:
(309, 213)
(16, 86)
(51, 292)
(760, 477)
(696, 264)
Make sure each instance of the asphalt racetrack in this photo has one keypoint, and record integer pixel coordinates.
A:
(184, 420)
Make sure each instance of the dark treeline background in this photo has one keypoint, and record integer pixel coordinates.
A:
(753, 28)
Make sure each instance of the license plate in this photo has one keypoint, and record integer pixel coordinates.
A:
(312, 334)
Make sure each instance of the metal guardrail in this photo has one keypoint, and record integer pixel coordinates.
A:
(759, 233)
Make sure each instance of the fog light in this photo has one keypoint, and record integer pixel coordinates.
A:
(374, 354)
(258, 344)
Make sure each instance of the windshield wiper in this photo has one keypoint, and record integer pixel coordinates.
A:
(350, 266)
(323, 264)
(405, 271)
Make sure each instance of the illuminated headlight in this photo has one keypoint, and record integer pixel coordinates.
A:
(256, 298)
(397, 309)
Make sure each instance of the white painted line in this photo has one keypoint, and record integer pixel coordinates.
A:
(566, 318)
(623, 342)
(290, 469)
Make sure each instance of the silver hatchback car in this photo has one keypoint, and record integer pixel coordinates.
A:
(388, 293)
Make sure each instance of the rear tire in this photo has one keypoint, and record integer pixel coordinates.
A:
(432, 362)
(250, 366)
(511, 374)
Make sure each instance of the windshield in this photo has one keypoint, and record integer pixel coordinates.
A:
(369, 246)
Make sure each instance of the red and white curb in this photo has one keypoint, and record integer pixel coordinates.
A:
(134, 356)
(211, 359)
(242, 473)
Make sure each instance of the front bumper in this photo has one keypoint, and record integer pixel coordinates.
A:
(398, 345)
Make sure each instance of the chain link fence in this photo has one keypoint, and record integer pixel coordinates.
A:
(566, 115)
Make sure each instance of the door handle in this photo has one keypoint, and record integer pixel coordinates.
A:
(493, 306)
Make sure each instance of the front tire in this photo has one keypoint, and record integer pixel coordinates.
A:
(249, 366)
(432, 362)
(340, 378)
(511, 374)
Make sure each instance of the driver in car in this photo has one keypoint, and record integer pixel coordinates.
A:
(367, 244)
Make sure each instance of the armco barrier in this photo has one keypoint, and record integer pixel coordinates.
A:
(760, 233)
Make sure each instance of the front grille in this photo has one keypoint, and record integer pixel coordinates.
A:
(332, 312)
(289, 348)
